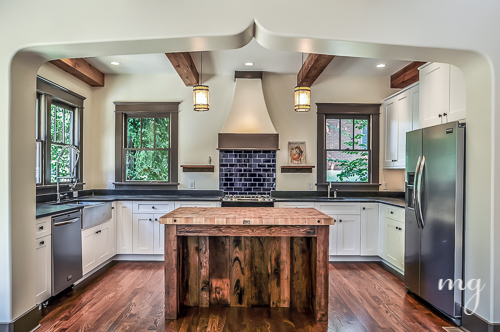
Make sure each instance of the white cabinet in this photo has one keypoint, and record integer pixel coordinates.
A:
(369, 229)
(345, 235)
(399, 112)
(308, 205)
(392, 235)
(442, 94)
(43, 247)
(98, 245)
(124, 227)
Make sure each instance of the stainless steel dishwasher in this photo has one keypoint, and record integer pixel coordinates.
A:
(66, 251)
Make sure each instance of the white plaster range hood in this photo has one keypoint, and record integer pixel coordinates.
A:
(248, 125)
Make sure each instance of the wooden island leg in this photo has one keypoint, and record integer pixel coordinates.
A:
(171, 272)
(320, 274)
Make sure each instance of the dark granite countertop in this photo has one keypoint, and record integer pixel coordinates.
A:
(45, 210)
(51, 208)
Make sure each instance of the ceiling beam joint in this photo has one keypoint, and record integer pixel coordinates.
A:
(184, 66)
(312, 68)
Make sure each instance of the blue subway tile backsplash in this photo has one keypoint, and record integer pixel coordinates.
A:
(247, 172)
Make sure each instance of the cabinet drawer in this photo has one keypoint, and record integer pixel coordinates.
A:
(338, 208)
(43, 227)
(196, 204)
(153, 207)
(394, 213)
(309, 205)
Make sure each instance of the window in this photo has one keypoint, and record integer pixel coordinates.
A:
(347, 149)
(348, 144)
(146, 146)
(59, 125)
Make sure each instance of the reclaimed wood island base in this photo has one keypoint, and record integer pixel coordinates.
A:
(246, 257)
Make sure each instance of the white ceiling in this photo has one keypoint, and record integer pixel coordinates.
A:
(228, 61)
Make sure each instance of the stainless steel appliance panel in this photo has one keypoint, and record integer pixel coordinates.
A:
(66, 251)
(439, 217)
(412, 228)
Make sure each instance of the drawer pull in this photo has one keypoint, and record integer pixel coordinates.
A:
(42, 243)
(99, 231)
(153, 207)
(392, 212)
(40, 228)
(150, 219)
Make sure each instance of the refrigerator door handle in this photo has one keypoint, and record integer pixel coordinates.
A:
(419, 193)
(415, 203)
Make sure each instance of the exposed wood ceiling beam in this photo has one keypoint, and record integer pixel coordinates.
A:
(406, 76)
(314, 65)
(82, 70)
(184, 65)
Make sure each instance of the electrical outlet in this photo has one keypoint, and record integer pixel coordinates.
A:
(310, 186)
(384, 185)
(191, 184)
(75, 194)
(111, 185)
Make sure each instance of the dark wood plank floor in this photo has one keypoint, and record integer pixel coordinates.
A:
(130, 297)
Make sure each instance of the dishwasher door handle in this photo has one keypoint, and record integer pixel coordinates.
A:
(66, 222)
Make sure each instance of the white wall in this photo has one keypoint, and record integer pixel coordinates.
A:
(58, 76)
(464, 35)
(198, 130)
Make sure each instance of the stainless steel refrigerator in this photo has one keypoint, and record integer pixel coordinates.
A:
(434, 216)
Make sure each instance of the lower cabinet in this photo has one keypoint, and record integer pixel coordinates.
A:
(124, 225)
(43, 268)
(98, 244)
(392, 235)
(148, 234)
(370, 226)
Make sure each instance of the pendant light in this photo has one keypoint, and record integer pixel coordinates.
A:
(302, 95)
(200, 93)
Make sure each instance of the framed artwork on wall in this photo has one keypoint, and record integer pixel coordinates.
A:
(297, 153)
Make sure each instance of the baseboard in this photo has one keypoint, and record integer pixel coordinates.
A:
(29, 321)
(401, 272)
(99, 270)
(335, 258)
(140, 258)
(475, 323)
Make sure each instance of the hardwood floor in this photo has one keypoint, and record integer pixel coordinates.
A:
(130, 297)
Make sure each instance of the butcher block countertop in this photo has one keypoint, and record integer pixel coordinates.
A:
(245, 216)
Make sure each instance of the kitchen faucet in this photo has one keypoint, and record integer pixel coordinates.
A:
(72, 175)
(330, 188)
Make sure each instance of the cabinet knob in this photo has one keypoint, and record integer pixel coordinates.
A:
(99, 231)
(445, 114)
(440, 115)
(42, 243)
(150, 219)
(392, 212)
(153, 207)
(340, 220)
(364, 208)
(156, 219)
(40, 228)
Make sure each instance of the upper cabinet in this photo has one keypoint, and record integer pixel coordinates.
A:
(400, 115)
(442, 94)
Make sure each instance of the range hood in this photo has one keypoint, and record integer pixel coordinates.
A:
(248, 125)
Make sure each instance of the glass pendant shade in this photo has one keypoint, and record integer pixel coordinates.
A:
(302, 99)
(200, 98)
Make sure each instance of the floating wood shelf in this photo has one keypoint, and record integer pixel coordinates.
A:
(297, 169)
(198, 168)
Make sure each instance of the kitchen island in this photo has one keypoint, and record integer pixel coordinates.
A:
(246, 257)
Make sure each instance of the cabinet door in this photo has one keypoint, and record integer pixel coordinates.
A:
(43, 268)
(391, 128)
(332, 245)
(394, 242)
(348, 234)
(104, 242)
(415, 101)
(143, 233)
(369, 229)
(159, 235)
(124, 226)
(89, 249)
(404, 109)
(457, 95)
(434, 93)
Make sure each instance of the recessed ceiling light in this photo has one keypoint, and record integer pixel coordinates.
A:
(381, 65)
(114, 63)
(249, 64)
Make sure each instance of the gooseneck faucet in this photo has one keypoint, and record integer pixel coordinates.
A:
(329, 188)
(72, 175)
